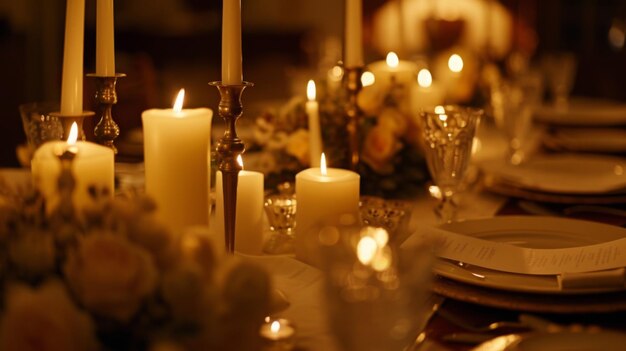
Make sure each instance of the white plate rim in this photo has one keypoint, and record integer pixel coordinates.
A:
(501, 170)
(535, 225)
(584, 112)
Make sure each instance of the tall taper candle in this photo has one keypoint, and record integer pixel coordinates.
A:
(315, 137)
(231, 43)
(105, 42)
(72, 80)
(354, 37)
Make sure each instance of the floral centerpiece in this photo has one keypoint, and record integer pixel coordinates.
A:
(113, 278)
(392, 163)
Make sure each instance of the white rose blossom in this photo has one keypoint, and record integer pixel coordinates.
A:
(44, 319)
(110, 275)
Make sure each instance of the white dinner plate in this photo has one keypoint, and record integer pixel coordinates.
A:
(603, 340)
(587, 139)
(583, 174)
(532, 232)
(584, 112)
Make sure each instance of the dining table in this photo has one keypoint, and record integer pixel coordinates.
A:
(456, 315)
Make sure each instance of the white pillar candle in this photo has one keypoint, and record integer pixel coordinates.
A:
(249, 216)
(105, 42)
(403, 72)
(177, 163)
(93, 165)
(322, 194)
(354, 33)
(425, 93)
(231, 42)
(72, 79)
(315, 137)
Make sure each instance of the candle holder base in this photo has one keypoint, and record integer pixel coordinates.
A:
(229, 148)
(106, 131)
(67, 120)
(353, 86)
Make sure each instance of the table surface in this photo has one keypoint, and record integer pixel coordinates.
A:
(477, 205)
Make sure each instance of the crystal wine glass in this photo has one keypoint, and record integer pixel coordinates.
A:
(513, 104)
(448, 133)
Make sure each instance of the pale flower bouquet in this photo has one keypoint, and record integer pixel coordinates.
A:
(113, 278)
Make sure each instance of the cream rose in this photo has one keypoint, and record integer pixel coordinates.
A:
(298, 146)
(110, 275)
(44, 319)
(380, 146)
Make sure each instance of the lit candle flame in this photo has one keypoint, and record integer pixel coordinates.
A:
(73, 136)
(310, 90)
(368, 78)
(455, 63)
(275, 327)
(178, 104)
(392, 60)
(240, 161)
(323, 169)
(440, 110)
(424, 78)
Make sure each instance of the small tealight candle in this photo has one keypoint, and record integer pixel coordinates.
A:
(322, 193)
(278, 335)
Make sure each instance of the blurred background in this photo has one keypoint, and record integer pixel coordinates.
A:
(164, 45)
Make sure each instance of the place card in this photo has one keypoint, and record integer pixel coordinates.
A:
(522, 260)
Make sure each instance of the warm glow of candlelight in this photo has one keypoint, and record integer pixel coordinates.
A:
(178, 104)
(336, 73)
(443, 118)
(381, 236)
(323, 169)
(392, 60)
(455, 63)
(424, 78)
(275, 327)
(366, 249)
(310, 90)
(240, 161)
(368, 78)
(73, 137)
(440, 110)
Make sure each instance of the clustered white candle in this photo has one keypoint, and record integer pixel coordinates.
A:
(315, 137)
(393, 69)
(177, 163)
(249, 213)
(426, 93)
(322, 193)
(92, 167)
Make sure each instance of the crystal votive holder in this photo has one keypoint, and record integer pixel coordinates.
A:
(39, 125)
(281, 214)
(391, 215)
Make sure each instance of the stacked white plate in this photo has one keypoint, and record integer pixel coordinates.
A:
(561, 178)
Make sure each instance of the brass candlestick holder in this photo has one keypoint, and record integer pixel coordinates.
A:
(67, 120)
(353, 85)
(229, 147)
(106, 131)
